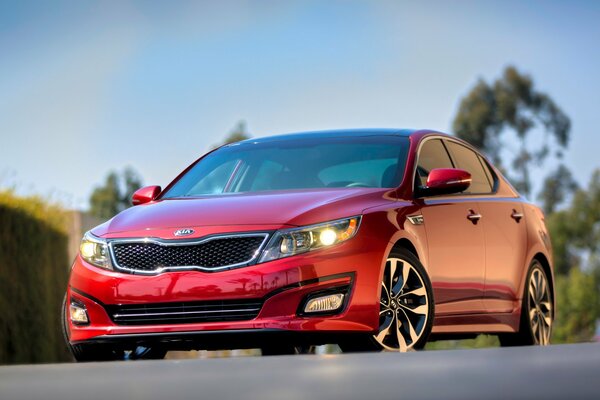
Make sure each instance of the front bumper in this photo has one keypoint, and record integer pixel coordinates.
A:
(224, 339)
(283, 285)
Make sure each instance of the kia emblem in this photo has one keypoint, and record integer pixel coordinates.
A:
(183, 232)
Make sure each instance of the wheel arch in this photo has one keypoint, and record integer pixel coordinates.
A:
(404, 243)
(543, 260)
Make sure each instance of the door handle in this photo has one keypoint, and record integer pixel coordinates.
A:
(473, 217)
(517, 216)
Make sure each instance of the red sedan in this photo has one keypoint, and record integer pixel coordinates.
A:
(371, 239)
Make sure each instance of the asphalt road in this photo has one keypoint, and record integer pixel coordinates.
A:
(555, 372)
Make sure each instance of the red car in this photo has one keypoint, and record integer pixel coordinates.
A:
(372, 239)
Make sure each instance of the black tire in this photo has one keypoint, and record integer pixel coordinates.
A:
(526, 335)
(279, 350)
(399, 306)
(104, 352)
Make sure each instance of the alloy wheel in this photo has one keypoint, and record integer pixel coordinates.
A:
(404, 306)
(540, 307)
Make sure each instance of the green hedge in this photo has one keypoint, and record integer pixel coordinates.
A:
(34, 269)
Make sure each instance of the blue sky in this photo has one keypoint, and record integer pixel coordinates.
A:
(86, 87)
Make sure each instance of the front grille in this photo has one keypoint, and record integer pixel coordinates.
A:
(184, 312)
(208, 254)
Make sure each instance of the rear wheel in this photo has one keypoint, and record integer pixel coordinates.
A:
(536, 313)
(406, 307)
(105, 352)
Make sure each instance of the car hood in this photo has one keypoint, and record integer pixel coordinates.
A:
(296, 208)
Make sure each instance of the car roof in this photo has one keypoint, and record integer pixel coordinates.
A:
(332, 134)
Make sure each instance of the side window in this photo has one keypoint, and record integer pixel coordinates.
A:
(488, 172)
(433, 155)
(468, 160)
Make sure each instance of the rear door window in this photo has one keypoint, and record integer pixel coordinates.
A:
(488, 172)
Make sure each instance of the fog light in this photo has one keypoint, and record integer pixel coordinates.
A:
(331, 302)
(78, 314)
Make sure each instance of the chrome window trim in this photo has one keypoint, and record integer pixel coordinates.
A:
(189, 242)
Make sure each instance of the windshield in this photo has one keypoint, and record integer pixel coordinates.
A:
(299, 163)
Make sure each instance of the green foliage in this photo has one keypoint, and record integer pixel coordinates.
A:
(33, 275)
(476, 122)
(115, 195)
(578, 300)
(575, 234)
(575, 231)
(480, 342)
(585, 220)
(556, 188)
(560, 227)
(511, 103)
(239, 133)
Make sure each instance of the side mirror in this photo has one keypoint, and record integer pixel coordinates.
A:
(446, 181)
(145, 195)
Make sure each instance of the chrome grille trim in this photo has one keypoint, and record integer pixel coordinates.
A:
(187, 242)
(184, 312)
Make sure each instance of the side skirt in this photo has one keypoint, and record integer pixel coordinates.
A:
(476, 323)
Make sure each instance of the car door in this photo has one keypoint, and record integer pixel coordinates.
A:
(506, 248)
(456, 248)
(504, 231)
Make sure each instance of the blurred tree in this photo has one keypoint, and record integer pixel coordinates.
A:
(238, 133)
(105, 200)
(512, 103)
(560, 228)
(479, 342)
(579, 307)
(557, 187)
(575, 234)
(584, 216)
(115, 195)
(476, 120)
(575, 231)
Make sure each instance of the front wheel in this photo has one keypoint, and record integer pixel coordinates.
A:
(406, 307)
(536, 313)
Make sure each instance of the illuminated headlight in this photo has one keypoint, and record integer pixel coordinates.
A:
(289, 242)
(326, 303)
(95, 251)
(78, 314)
